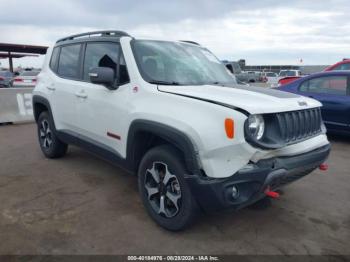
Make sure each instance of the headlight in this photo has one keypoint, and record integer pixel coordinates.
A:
(256, 126)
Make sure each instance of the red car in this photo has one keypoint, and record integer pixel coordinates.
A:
(342, 65)
(287, 76)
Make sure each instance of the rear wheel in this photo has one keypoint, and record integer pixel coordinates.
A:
(50, 144)
(164, 190)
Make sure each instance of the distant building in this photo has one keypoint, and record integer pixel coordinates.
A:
(310, 69)
(241, 63)
(305, 69)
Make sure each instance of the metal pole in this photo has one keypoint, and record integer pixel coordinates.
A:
(10, 62)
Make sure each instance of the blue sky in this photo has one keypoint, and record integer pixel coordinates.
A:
(262, 32)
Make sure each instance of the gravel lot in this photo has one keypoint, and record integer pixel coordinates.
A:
(82, 205)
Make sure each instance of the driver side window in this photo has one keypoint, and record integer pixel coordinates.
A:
(105, 54)
(100, 55)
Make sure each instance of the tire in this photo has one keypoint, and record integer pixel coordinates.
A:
(165, 164)
(49, 143)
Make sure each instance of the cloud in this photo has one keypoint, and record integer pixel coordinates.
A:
(263, 32)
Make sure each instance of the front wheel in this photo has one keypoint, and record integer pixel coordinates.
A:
(164, 190)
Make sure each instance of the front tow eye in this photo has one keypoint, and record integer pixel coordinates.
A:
(323, 167)
(271, 194)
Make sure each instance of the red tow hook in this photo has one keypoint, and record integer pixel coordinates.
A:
(271, 194)
(323, 167)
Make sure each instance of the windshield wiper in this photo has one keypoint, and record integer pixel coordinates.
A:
(169, 83)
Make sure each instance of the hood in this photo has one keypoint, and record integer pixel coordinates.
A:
(255, 100)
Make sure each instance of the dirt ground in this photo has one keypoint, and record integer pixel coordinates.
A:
(82, 205)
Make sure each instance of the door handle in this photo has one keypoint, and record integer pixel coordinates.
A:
(51, 87)
(81, 94)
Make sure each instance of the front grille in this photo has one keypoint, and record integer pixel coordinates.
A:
(299, 125)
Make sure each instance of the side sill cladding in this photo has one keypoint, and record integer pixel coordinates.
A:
(169, 134)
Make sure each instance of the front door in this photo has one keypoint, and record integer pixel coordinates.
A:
(102, 112)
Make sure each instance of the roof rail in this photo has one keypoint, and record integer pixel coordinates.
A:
(94, 33)
(190, 42)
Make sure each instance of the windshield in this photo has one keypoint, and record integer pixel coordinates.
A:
(270, 74)
(287, 73)
(174, 63)
(236, 67)
(30, 73)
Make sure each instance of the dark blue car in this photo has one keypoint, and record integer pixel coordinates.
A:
(332, 89)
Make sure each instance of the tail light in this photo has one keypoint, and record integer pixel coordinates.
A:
(1, 78)
(18, 80)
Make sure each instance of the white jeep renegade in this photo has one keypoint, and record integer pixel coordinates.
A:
(172, 114)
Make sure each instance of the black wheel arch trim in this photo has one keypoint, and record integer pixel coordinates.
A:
(43, 101)
(170, 134)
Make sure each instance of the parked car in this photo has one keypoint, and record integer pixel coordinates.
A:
(5, 78)
(249, 77)
(236, 70)
(289, 72)
(171, 113)
(332, 89)
(342, 65)
(287, 76)
(270, 78)
(25, 79)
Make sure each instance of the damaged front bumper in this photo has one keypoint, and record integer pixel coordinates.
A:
(251, 182)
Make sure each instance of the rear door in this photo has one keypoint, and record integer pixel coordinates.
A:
(333, 92)
(64, 89)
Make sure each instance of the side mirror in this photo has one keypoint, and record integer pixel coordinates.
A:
(103, 75)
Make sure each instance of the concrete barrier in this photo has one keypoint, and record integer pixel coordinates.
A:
(16, 105)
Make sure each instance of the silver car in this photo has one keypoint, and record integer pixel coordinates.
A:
(25, 79)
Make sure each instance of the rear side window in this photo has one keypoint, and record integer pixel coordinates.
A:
(68, 64)
(30, 73)
(335, 85)
(54, 59)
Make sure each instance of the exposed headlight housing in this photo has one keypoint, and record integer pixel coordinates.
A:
(263, 131)
(276, 130)
(256, 126)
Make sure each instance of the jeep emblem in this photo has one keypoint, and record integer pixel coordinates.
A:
(302, 103)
